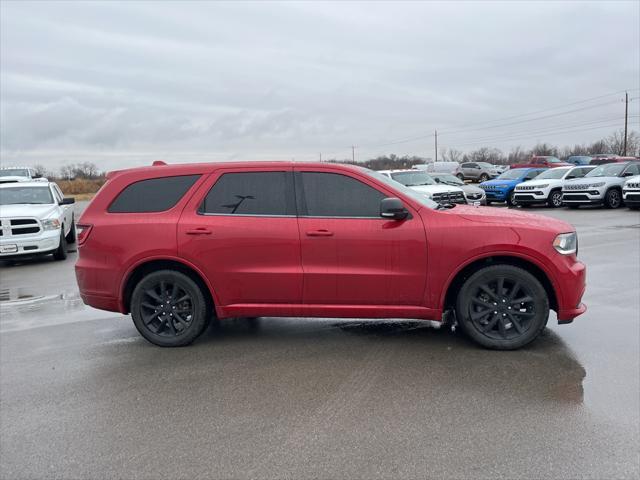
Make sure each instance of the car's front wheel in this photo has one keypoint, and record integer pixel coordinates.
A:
(169, 308)
(502, 307)
(484, 177)
(555, 199)
(511, 199)
(612, 198)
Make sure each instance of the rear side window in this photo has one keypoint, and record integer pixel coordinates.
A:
(153, 195)
(251, 193)
(335, 195)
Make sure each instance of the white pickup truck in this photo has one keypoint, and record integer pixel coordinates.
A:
(35, 219)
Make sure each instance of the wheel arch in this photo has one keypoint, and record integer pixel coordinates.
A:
(151, 265)
(465, 272)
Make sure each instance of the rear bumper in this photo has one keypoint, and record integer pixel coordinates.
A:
(103, 303)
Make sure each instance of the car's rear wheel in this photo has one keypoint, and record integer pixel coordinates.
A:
(484, 177)
(613, 198)
(555, 199)
(460, 176)
(169, 308)
(60, 253)
(502, 307)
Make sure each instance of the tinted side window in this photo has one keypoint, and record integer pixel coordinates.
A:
(580, 172)
(532, 174)
(335, 195)
(251, 193)
(153, 195)
(633, 168)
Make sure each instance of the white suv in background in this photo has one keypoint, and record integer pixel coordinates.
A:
(422, 183)
(631, 193)
(601, 186)
(35, 219)
(547, 187)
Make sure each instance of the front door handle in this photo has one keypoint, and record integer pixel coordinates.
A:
(319, 233)
(199, 231)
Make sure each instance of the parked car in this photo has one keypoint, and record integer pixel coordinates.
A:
(501, 168)
(601, 186)
(631, 193)
(441, 167)
(539, 161)
(579, 159)
(479, 171)
(502, 189)
(422, 183)
(17, 174)
(174, 244)
(36, 219)
(547, 186)
(472, 193)
(612, 159)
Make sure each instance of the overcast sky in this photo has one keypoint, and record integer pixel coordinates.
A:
(123, 84)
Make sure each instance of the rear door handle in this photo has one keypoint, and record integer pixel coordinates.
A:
(199, 231)
(319, 233)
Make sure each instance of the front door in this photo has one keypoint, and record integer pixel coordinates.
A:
(241, 229)
(351, 255)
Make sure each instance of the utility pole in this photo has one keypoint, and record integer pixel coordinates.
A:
(436, 137)
(353, 153)
(626, 116)
(320, 157)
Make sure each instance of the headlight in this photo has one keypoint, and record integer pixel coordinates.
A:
(542, 186)
(51, 224)
(596, 185)
(566, 243)
(428, 195)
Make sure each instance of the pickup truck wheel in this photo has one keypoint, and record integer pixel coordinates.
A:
(61, 252)
(71, 236)
(555, 199)
(502, 307)
(169, 308)
(484, 177)
(612, 199)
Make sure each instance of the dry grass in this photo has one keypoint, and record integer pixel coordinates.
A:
(80, 189)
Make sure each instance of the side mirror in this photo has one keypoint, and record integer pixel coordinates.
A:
(627, 174)
(68, 201)
(37, 175)
(392, 208)
(569, 177)
(437, 180)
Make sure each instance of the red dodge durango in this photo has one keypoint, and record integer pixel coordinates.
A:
(176, 245)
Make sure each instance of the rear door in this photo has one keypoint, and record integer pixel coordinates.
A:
(470, 170)
(351, 255)
(241, 229)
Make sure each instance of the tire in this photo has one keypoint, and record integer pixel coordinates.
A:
(613, 198)
(71, 236)
(512, 324)
(488, 202)
(484, 177)
(172, 293)
(61, 252)
(511, 201)
(555, 199)
(460, 176)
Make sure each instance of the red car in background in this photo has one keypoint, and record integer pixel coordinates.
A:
(538, 161)
(175, 245)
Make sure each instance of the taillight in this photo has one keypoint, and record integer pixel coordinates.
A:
(82, 232)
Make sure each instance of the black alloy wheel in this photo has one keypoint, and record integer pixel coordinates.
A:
(502, 307)
(169, 309)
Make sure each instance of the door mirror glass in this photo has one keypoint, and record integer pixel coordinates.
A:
(569, 177)
(67, 201)
(392, 208)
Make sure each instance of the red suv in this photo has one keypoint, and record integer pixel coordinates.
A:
(176, 244)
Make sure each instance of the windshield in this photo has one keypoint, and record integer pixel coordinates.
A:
(14, 172)
(607, 170)
(25, 195)
(412, 179)
(448, 179)
(511, 174)
(421, 199)
(553, 173)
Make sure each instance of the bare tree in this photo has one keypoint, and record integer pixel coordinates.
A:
(544, 149)
(67, 172)
(451, 155)
(486, 154)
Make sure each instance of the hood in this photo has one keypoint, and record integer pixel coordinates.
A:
(431, 189)
(589, 180)
(508, 217)
(544, 181)
(37, 211)
(497, 181)
(471, 189)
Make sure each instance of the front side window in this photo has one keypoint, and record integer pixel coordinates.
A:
(553, 174)
(26, 196)
(152, 195)
(251, 193)
(336, 195)
(511, 174)
(532, 174)
(607, 170)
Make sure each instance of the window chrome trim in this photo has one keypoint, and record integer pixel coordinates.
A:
(287, 216)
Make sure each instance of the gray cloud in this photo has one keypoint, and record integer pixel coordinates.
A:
(120, 83)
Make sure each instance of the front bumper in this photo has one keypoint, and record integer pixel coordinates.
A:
(497, 195)
(582, 197)
(21, 245)
(527, 197)
(631, 198)
(572, 287)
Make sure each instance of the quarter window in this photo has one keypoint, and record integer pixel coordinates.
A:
(251, 193)
(335, 195)
(152, 195)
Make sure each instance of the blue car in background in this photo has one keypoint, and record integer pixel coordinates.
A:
(579, 159)
(501, 189)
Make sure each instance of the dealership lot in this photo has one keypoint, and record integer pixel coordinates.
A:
(83, 395)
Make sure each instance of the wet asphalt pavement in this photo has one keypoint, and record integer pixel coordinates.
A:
(82, 395)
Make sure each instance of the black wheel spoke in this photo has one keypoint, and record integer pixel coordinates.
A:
(151, 318)
(174, 292)
(152, 293)
(515, 323)
(478, 315)
(514, 291)
(182, 299)
(182, 321)
(500, 286)
(149, 306)
(163, 290)
(489, 292)
(523, 314)
(524, 299)
(484, 303)
(491, 324)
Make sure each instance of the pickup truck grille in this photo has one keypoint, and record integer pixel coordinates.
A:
(451, 197)
(18, 226)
